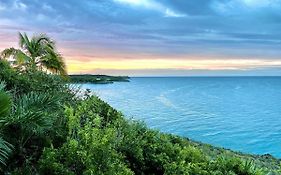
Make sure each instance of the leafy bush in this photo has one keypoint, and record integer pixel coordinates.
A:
(32, 81)
(89, 149)
(103, 142)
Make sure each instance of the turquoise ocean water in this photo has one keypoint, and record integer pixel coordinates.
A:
(240, 113)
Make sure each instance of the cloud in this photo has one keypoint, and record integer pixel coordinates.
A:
(260, 3)
(150, 29)
(246, 6)
(170, 13)
(48, 7)
(18, 5)
(152, 5)
(2, 7)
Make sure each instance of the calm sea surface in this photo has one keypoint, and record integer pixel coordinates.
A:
(240, 113)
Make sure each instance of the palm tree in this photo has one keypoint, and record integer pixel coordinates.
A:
(39, 52)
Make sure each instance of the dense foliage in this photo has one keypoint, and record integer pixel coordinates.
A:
(46, 128)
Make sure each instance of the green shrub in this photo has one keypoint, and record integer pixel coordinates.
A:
(101, 141)
(32, 81)
(90, 147)
(234, 165)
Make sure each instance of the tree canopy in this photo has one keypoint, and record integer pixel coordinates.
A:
(38, 52)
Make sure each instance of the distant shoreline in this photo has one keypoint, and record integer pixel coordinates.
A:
(97, 79)
(211, 76)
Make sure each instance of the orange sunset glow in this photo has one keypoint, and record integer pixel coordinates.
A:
(149, 38)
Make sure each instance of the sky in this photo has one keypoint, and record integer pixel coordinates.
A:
(153, 37)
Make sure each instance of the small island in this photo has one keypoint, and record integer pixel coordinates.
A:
(97, 79)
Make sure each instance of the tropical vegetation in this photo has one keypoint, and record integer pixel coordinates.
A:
(38, 52)
(47, 127)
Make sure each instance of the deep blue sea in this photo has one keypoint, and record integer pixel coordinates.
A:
(240, 113)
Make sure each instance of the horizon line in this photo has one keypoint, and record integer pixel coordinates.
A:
(171, 76)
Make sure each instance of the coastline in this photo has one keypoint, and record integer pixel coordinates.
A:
(263, 161)
(97, 79)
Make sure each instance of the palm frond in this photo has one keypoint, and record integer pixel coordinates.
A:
(38, 101)
(2, 86)
(10, 52)
(21, 58)
(27, 45)
(23, 41)
(54, 63)
(39, 44)
(44, 39)
(5, 150)
(5, 102)
(33, 113)
(5, 107)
